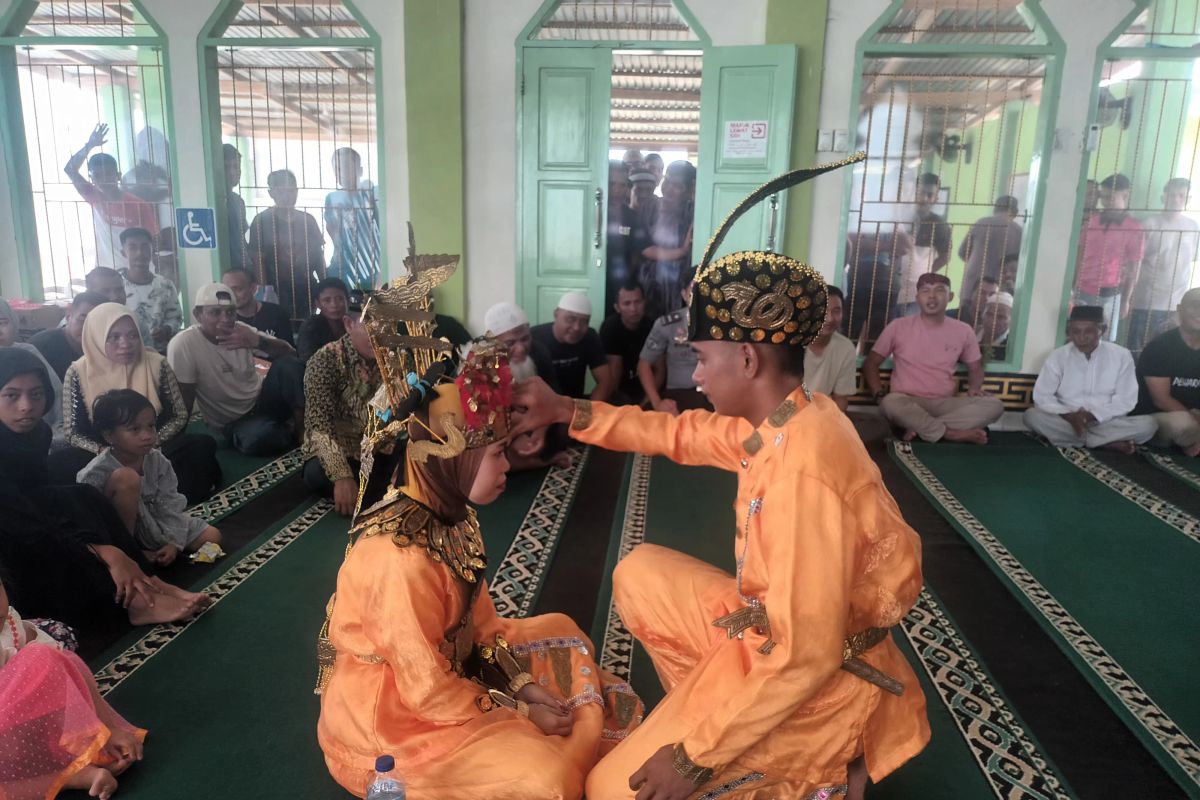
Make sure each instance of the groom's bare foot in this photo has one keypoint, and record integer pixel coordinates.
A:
(969, 436)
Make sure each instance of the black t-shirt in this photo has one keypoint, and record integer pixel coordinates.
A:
(544, 365)
(627, 238)
(314, 334)
(933, 231)
(55, 348)
(1168, 356)
(571, 361)
(620, 341)
(272, 320)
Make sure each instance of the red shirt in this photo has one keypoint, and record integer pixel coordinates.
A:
(1102, 251)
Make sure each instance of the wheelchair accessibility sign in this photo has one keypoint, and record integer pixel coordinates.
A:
(196, 228)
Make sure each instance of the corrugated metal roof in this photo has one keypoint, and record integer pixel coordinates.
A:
(997, 22)
(90, 18)
(616, 20)
(656, 99)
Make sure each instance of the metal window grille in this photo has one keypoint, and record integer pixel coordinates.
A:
(992, 22)
(292, 108)
(1146, 133)
(965, 127)
(66, 90)
(1164, 23)
(616, 20)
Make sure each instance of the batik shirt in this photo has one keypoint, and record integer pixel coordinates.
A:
(338, 383)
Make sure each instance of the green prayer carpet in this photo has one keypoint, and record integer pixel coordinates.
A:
(1111, 581)
(1183, 468)
(690, 509)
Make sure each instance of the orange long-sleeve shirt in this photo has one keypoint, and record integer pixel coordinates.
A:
(828, 554)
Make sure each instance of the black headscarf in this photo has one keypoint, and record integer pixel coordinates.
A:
(24, 463)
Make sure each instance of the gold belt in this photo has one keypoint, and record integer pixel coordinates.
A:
(858, 643)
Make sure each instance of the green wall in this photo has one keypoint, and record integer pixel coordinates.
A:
(433, 86)
(801, 23)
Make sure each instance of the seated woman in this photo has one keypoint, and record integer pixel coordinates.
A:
(140, 482)
(68, 554)
(8, 338)
(56, 731)
(418, 665)
(114, 358)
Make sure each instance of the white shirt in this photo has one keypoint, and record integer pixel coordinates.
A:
(227, 384)
(1105, 384)
(835, 370)
(1166, 273)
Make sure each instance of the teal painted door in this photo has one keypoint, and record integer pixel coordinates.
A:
(746, 102)
(564, 174)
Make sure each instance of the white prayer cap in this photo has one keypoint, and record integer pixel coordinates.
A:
(503, 317)
(1001, 299)
(576, 303)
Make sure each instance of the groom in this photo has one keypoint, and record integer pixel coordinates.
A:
(783, 677)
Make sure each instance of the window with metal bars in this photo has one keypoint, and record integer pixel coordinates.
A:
(298, 120)
(90, 78)
(616, 20)
(1138, 234)
(951, 140)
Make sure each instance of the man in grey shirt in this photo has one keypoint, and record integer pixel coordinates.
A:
(667, 346)
(990, 248)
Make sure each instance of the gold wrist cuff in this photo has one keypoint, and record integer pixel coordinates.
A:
(581, 420)
(520, 682)
(688, 768)
(522, 709)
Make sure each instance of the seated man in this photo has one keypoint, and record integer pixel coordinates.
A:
(268, 318)
(667, 347)
(830, 362)
(339, 382)
(994, 324)
(1169, 380)
(926, 348)
(509, 324)
(106, 282)
(61, 346)
(623, 334)
(574, 348)
(1086, 389)
(153, 299)
(214, 362)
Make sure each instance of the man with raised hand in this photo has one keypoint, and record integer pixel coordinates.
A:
(782, 678)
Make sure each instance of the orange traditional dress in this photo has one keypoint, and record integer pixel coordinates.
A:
(827, 563)
(424, 670)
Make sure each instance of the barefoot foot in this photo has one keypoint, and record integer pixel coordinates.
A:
(1193, 450)
(96, 781)
(167, 608)
(969, 436)
(1126, 447)
(909, 435)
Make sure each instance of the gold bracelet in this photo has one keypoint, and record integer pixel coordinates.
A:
(520, 682)
(688, 768)
(522, 709)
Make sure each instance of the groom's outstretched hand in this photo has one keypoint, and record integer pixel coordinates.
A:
(535, 405)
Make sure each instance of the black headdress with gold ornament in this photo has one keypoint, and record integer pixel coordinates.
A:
(759, 296)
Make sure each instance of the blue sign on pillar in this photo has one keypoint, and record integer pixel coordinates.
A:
(196, 228)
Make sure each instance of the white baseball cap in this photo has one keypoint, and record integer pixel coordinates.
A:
(503, 317)
(213, 294)
(576, 303)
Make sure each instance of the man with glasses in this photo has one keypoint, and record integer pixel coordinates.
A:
(214, 362)
(925, 350)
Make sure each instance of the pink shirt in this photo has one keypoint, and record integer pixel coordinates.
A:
(1102, 251)
(924, 356)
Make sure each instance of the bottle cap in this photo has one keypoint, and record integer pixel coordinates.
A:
(385, 764)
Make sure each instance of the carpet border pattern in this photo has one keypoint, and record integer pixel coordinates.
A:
(1003, 750)
(616, 653)
(1168, 465)
(112, 674)
(242, 491)
(1175, 745)
(514, 589)
(1167, 513)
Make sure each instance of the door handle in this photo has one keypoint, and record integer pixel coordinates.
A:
(599, 216)
(772, 221)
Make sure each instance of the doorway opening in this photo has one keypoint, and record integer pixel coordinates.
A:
(653, 133)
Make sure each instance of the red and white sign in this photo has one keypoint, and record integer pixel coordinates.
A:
(745, 139)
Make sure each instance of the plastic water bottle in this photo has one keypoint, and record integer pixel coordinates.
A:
(388, 783)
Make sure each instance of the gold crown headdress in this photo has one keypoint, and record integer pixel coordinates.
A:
(759, 296)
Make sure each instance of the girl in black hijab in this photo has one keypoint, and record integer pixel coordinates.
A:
(67, 554)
